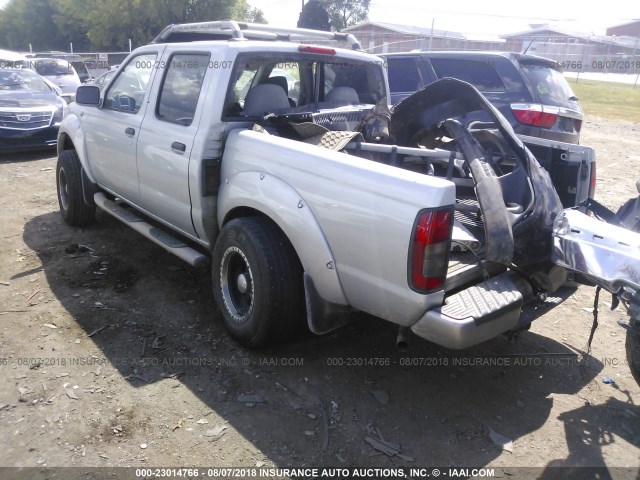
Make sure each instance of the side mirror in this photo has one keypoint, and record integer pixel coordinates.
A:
(88, 95)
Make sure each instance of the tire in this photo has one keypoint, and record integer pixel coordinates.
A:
(257, 283)
(633, 351)
(75, 211)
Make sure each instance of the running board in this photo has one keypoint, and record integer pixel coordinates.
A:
(160, 237)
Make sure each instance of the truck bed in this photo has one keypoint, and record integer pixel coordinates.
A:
(464, 264)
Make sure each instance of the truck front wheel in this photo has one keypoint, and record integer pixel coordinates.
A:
(257, 282)
(73, 208)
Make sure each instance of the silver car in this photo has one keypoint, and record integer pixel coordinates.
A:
(60, 72)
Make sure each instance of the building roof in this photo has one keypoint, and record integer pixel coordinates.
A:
(406, 29)
(545, 29)
(587, 37)
(637, 20)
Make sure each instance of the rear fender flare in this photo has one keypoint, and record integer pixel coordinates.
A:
(277, 200)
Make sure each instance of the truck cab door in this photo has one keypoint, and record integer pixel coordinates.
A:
(112, 131)
(166, 140)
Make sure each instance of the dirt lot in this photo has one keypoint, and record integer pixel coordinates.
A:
(109, 356)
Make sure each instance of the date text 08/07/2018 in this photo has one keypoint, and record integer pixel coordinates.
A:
(319, 473)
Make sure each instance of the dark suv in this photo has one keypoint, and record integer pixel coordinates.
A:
(529, 91)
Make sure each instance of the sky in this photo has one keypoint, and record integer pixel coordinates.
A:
(477, 19)
(474, 18)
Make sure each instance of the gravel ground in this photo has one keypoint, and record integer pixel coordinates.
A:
(109, 356)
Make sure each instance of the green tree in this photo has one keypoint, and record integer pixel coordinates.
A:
(25, 22)
(107, 24)
(246, 13)
(72, 26)
(314, 16)
(344, 13)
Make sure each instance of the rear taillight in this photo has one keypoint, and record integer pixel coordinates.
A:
(543, 116)
(429, 250)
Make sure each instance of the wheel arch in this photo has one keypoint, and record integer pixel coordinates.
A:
(71, 137)
(243, 212)
(89, 186)
(256, 193)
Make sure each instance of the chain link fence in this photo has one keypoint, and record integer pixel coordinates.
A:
(599, 56)
(581, 54)
(604, 55)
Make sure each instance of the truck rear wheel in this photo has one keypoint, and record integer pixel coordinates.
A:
(257, 282)
(73, 208)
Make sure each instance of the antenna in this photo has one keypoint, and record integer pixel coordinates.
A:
(528, 46)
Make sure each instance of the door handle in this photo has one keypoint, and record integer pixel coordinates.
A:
(130, 132)
(178, 147)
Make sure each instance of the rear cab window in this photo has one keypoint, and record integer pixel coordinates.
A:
(306, 83)
(480, 74)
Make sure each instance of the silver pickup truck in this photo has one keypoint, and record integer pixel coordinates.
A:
(271, 156)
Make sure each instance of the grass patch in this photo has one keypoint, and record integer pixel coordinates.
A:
(617, 101)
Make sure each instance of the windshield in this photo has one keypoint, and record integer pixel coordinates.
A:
(262, 84)
(550, 84)
(22, 80)
(49, 67)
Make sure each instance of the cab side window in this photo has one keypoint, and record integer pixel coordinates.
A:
(181, 88)
(481, 75)
(128, 89)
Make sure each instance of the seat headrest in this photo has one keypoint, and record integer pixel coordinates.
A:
(343, 95)
(265, 98)
(280, 81)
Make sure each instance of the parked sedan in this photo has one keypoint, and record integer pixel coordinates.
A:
(30, 111)
(60, 72)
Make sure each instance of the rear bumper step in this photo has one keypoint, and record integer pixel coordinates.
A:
(476, 314)
(159, 237)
